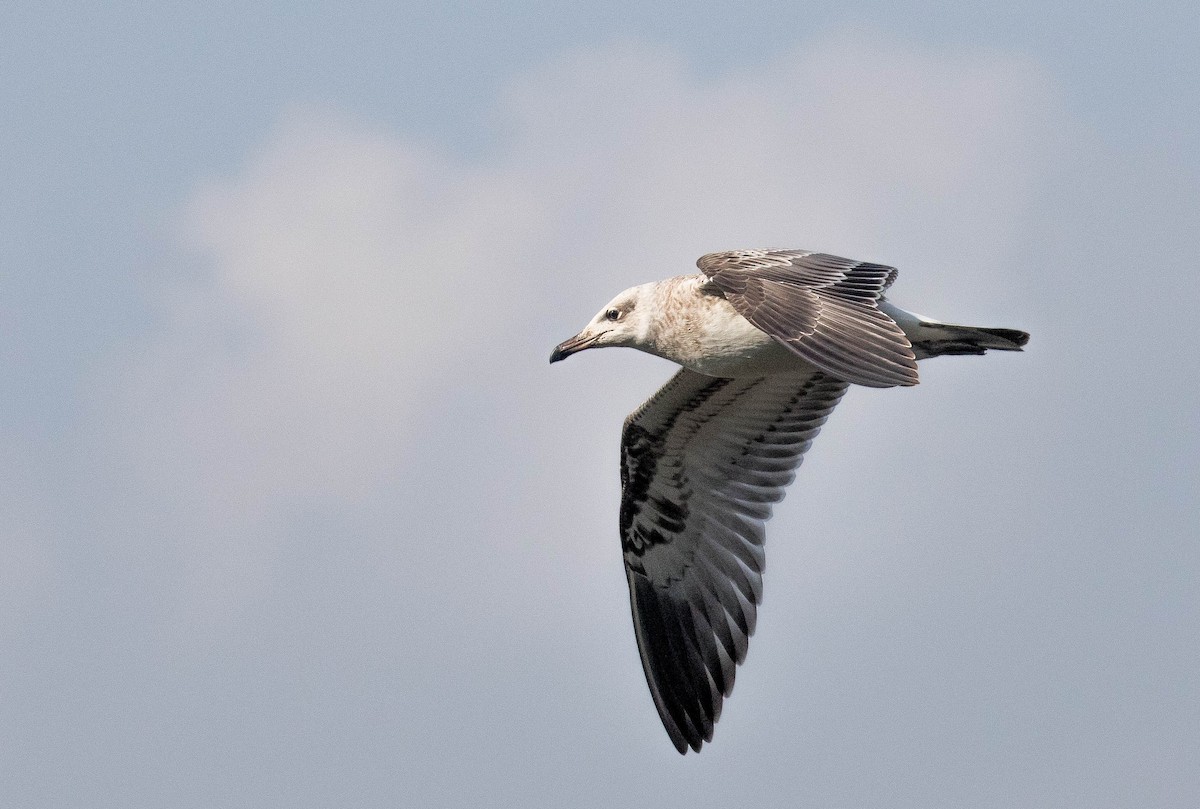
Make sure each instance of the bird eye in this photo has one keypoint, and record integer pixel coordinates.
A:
(612, 314)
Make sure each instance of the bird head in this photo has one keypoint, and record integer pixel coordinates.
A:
(624, 321)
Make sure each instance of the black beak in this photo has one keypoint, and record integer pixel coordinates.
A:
(573, 346)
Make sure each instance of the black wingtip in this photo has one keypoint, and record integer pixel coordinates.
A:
(939, 339)
(1014, 335)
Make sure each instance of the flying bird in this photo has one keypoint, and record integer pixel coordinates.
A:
(769, 341)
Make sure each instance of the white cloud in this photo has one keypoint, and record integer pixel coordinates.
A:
(853, 143)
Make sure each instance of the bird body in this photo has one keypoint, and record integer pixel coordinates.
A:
(769, 341)
(700, 330)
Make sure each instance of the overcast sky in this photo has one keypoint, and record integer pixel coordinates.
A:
(295, 512)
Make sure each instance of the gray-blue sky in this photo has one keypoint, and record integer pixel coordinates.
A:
(296, 513)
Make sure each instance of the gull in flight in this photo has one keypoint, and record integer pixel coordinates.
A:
(769, 340)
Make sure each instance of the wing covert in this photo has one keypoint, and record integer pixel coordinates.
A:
(822, 307)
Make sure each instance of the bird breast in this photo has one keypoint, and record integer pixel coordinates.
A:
(708, 336)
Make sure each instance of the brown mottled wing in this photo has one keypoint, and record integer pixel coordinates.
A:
(822, 307)
(702, 462)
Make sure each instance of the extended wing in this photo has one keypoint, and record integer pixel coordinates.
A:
(702, 462)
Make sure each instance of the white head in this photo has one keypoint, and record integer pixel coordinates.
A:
(626, 320)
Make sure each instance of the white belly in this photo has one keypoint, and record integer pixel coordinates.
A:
(764, 358)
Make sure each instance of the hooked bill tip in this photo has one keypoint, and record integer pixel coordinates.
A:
(572, 346)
